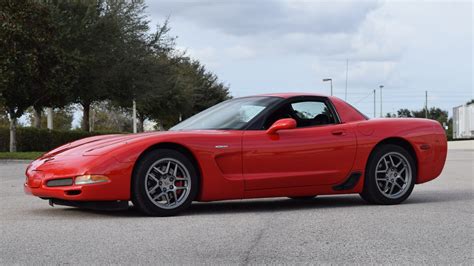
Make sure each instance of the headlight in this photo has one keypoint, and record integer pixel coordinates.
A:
(90, 179)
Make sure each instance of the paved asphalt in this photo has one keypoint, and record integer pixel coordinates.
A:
(435, 225)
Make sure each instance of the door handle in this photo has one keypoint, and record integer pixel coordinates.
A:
(338, 132)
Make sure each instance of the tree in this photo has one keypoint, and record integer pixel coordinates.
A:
(200, 89)
(433, 113)
(165, 84)
(146, 74)
(107, 117)
(4, 120)
(96, 33)
(62, 118)
(30, 61)
(404, 113)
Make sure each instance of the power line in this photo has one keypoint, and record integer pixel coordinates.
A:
(363, 98)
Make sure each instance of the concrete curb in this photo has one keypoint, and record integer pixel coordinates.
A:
(461, 145)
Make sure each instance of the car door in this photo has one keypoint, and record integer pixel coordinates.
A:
(320, 151)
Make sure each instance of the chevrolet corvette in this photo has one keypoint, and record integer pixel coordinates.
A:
(292, 145)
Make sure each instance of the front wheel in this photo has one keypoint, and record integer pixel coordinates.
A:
(165, 183)
(390, 175)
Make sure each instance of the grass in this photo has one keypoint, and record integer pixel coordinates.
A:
(30, 155)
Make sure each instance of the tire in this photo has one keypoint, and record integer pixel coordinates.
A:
(303, 197)
(165, 182)
(389, 176)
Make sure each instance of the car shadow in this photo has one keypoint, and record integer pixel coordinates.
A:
(288, 205)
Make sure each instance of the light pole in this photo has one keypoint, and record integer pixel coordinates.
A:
(329, 79)
(375, 106)
(381, 87)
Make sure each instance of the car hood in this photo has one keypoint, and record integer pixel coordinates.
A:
(99, 145)
(89, 144)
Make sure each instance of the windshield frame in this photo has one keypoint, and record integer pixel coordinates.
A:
(271, 104)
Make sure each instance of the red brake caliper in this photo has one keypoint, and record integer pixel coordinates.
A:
(179, 184)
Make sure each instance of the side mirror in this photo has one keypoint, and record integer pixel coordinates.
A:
(285, 123)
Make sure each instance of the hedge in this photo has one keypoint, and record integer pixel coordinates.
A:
(36, 139)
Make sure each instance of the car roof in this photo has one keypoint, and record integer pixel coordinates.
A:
(292, 94)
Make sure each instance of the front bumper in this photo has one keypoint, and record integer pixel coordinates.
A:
(40, 171)
(92, 205)
(73, 192)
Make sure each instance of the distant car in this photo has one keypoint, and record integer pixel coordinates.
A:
(291, 145)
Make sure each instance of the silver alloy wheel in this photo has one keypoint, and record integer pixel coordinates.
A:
(393, 175)
(167, 183)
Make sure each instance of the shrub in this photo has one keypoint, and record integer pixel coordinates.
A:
(35, 139)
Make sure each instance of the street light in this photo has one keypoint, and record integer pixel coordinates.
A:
(329, 79)
(381, 87)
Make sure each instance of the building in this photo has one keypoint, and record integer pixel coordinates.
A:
(463, 121)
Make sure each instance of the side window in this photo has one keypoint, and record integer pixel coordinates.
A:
(306, 113)
(308, 110)
(312, 113)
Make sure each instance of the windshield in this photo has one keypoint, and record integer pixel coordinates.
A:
(231, 114)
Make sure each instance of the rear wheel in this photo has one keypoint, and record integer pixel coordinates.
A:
(165, 183)
(390, 175)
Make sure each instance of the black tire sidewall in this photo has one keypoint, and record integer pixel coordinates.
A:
(139, 196)
(371, 193)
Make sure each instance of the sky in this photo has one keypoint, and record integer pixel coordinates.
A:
(262, 46)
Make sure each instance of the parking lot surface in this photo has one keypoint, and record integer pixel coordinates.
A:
(435, 225)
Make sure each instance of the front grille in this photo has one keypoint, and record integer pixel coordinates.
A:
(59, 182)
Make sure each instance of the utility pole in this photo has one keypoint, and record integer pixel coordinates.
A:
(426, 104)
(134, 116)
(347, 71)
(381, 113)
(375, 111)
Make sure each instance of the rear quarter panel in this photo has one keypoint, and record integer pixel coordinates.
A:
(426, 137)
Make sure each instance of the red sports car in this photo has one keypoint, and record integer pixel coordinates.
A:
(292, 145)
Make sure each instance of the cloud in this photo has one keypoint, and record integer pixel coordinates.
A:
(241, 52)
(207, 55)
(338, 29)
(277, 45)
(242, 18)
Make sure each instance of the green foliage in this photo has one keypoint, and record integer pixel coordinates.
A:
(34, 139)
(433, 113)
(4, 120)
(107, 117)
(404, 113)
(30, 155)
(32, 66)
(54, 53)
(166, 85)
